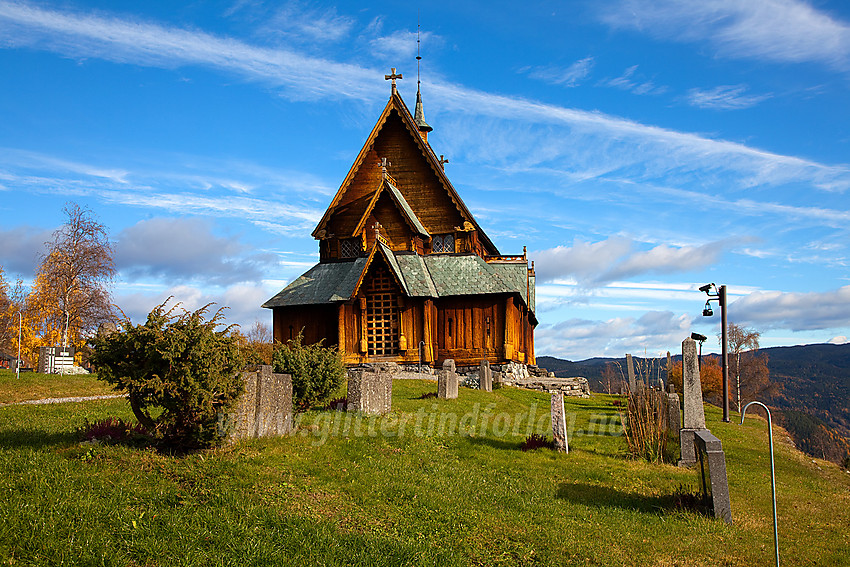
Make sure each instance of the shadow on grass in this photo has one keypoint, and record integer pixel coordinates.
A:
(35, 439)
(606, 497)
(501, 444)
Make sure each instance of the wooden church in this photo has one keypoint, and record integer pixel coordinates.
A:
(405, 272)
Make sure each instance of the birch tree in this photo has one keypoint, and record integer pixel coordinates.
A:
(71, 294)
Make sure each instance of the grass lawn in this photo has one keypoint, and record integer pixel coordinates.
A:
(34, 386)
(437, 482)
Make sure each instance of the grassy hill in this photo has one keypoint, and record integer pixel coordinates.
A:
(815, 379)
(437, 482)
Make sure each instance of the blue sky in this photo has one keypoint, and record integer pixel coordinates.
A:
(638, 148)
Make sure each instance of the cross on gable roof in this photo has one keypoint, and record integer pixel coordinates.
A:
(431, 160)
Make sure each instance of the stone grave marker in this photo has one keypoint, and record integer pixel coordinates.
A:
(447, 381)
(694, 413)
(264, 408)
(370, 391)
(485, 377)
(559, 424)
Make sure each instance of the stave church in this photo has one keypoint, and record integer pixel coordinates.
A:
(405, 272)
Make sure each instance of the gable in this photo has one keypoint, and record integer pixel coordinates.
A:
(419, 175)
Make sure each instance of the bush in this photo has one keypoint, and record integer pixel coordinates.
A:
(317, 372)
(181, 367)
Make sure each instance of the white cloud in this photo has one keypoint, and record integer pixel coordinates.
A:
(654, 333)
(796, 311)
(626, 144)
(594, 264)
(629, 82)
(839, 340)
(570, 76)
(774, 30)
(299, 21)
(401, 44)
(242, 301)
(185, 249)
(21, 248)
(143, 43)
(726, 97)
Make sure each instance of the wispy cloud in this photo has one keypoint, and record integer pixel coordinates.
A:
(401, 44)
(143, 43)
(726, 97)
(629, 81)
(774, 30)
(193, 187)
(570, 76)
(619, 143)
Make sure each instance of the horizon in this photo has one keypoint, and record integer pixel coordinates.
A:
(635, 160)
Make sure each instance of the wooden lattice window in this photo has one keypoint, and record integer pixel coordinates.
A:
(443, 243)
(349, 248)
(382, 313)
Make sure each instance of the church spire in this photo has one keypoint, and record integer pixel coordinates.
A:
(419, 113)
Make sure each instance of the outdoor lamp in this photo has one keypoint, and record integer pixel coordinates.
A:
(719, 296)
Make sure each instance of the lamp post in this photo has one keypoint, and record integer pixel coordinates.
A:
(719, 295)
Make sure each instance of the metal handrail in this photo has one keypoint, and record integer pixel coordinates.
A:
(772, 475)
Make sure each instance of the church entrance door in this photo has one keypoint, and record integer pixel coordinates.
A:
(382, 314)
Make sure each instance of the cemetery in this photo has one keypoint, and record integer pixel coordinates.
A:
(400, 445)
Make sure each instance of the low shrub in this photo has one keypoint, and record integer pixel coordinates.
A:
(178, 365)
(317, 371)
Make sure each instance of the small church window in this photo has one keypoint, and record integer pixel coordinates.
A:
(451, 324)
(443, 243)
(349, 248)
(291, 332)
(487, 325)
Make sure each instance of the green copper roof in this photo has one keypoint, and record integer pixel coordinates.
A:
(435, 275)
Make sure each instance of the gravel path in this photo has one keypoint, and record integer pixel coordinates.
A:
(64, 400)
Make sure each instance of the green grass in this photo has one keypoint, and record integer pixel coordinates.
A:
(456, 498)
(34, 386)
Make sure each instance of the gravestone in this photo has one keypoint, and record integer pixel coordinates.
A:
(559, 424)
(264, 408)
(715, 484)
(694, 413)
(674, 414)
(630, 368)
(485, 377)
(370, 391)
(447, 381)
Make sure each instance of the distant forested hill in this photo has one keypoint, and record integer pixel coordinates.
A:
(815, 379)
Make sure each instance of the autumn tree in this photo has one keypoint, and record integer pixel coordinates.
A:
(71, 296)
(5, 314)
(749, 366)
(711, 378)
